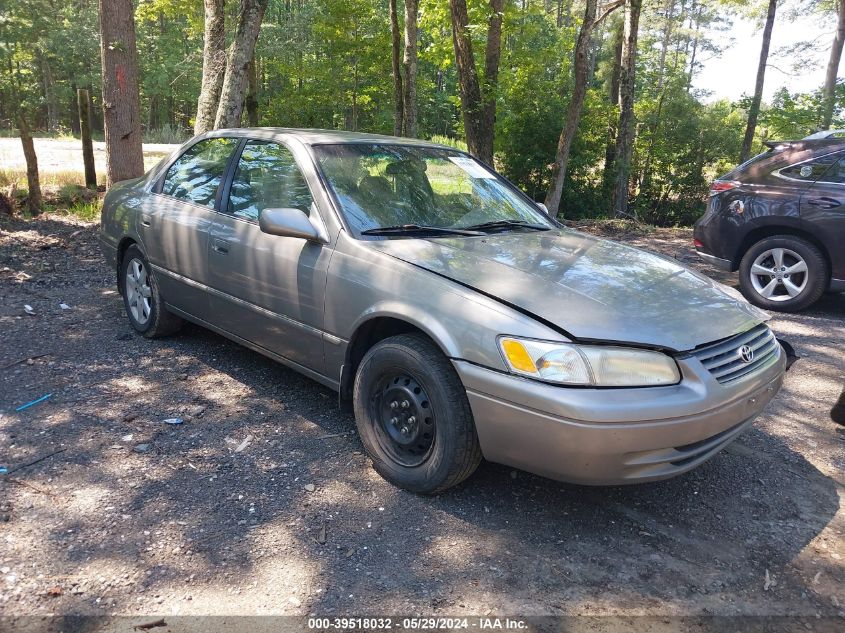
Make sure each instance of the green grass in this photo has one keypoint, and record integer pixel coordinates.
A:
(88, 211)
(167, 134)
(448, 140)
(46, 177)
(164, 134)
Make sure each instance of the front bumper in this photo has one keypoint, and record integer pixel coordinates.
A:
(613, 436)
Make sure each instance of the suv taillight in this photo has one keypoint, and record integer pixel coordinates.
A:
(719, 186)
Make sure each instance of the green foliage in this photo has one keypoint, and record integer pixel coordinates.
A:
(792, 116)
(533, 83)
(327, 63)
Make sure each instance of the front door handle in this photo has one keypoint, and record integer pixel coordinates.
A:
(220, 246)
(824, 202)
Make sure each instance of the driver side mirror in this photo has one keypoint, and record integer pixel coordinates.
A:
(543, 208)
(288, 223)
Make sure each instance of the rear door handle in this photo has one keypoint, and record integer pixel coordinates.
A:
(824, 202)
(146, 220)
(220, 246)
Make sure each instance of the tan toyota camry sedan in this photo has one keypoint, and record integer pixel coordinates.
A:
(460, 320)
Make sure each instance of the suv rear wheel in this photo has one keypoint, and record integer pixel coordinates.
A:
(784, 273)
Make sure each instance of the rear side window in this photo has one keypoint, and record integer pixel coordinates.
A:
(810, 170)
(836, 173)
(196, 175)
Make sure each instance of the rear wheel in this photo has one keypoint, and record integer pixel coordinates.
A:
(784, 273)
(414, 417)
(142, 299)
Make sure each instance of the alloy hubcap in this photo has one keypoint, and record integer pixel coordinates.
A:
(404, 419)
(138, 293)
(779, 274)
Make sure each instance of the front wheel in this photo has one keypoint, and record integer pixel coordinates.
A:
(784, 273)
(413, 416)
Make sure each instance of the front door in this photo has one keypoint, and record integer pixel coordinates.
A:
(268, 289)
(174, 224)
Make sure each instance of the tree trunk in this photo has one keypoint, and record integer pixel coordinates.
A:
(576, 106)
(213, 66)
(478, 108)
(93, 113)
(668, 24)
(694, 48)
(468, 83)
(754, 109)
(409, 65)
(398, 92)
(121, 107)
(32, 182)
(252, 94)
(613, 95)
(50, 98)
(87, 145)
(833, 66)
(492, 55)
(230, 109)
(72, 107)
(625, 133)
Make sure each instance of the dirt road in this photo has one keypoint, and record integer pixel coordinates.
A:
(262, 502)
(62, 156)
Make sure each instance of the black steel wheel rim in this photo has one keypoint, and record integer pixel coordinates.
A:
(402, 418)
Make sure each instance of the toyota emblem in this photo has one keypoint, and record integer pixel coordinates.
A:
(746, 354)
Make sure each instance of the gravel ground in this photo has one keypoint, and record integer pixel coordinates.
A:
(263, 503)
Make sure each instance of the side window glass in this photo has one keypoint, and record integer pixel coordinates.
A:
(811, 170)
(195, 176)
(836, 173)
(267, 178)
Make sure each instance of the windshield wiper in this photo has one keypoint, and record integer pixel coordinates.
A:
(408, 229)
(506, 224)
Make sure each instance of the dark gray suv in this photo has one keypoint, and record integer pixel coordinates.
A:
(779, 219)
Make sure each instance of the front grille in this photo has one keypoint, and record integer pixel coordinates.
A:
(723, 359)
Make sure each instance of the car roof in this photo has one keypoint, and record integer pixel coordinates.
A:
(783, 153)
(320, 137)
(807, 143)
(826, 134)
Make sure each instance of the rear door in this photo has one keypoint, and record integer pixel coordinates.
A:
(823, 208)
(268, 289)
(174, 222)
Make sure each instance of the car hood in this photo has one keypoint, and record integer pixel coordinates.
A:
(590, 288)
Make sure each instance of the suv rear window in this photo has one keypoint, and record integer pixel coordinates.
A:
(747, 165)
(810, 170)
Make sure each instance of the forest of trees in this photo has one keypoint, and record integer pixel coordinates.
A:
(588, 105)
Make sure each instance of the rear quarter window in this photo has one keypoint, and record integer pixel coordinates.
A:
(810, 170)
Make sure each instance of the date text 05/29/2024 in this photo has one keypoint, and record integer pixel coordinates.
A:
(416, 624)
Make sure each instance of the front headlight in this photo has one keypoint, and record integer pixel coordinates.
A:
(588, 365)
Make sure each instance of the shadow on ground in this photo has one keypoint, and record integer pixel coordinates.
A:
(297, 522)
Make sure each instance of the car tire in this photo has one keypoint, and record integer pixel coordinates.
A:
(142, 299)
(413, 415)
(783, 273)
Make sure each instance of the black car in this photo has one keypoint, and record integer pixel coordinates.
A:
(779, 219)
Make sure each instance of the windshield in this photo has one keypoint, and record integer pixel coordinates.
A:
(386, 185)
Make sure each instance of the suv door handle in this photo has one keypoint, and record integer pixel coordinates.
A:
(220, 246)
(824, 202)
(145, 219)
